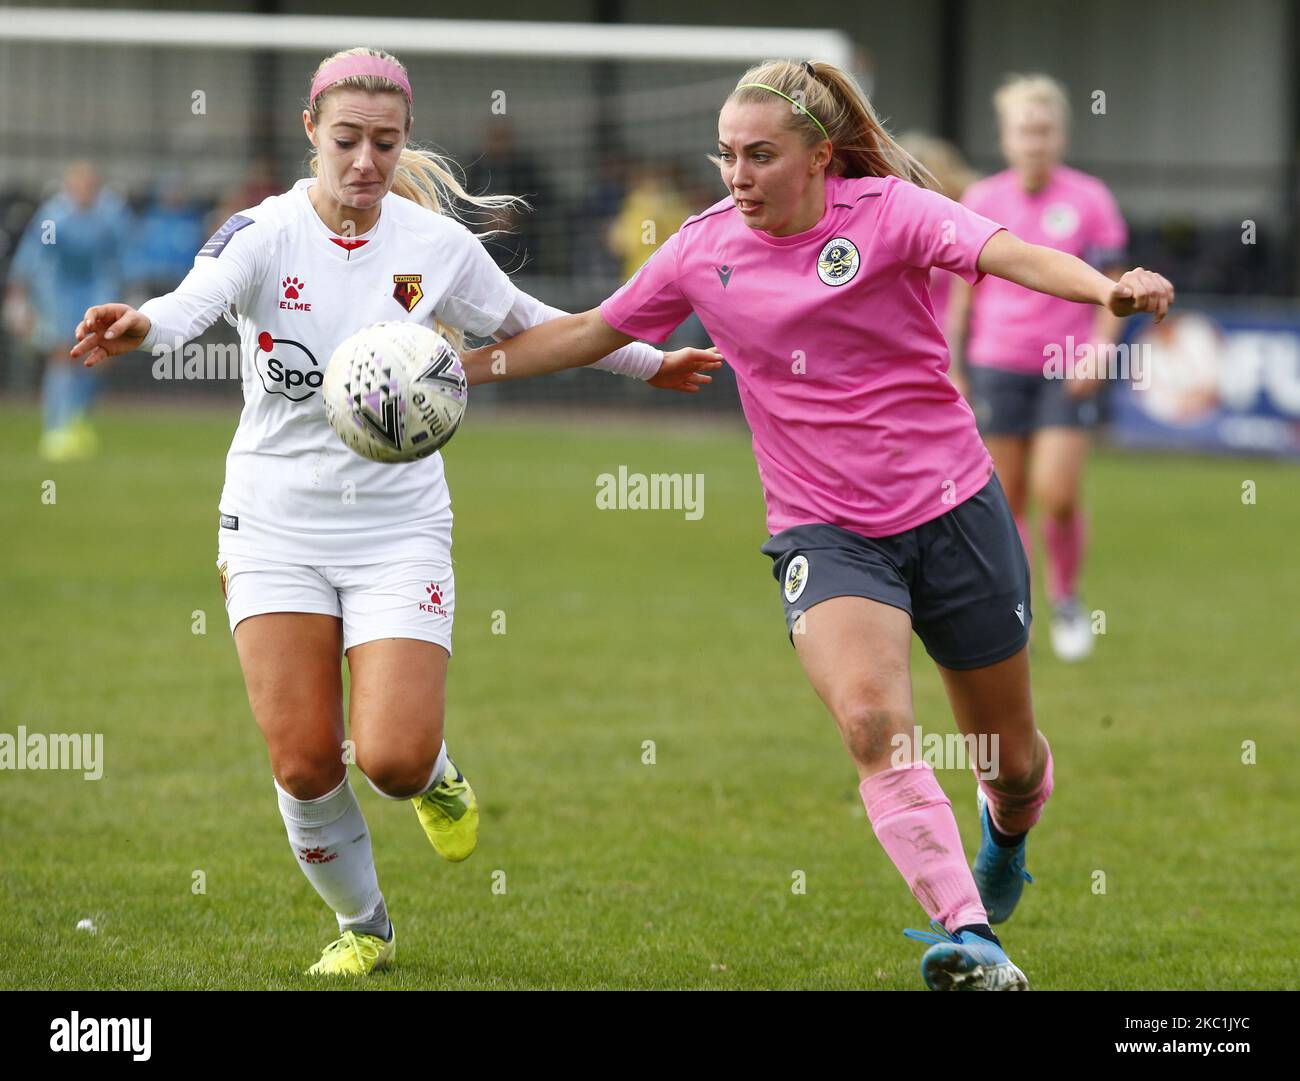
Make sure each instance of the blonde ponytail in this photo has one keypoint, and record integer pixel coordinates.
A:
(860, 145)
(423, 176)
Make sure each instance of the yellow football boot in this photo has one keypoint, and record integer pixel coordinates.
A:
(76, 441)
(449, 814)
(58, 445)
(85, 440)
(355, 954)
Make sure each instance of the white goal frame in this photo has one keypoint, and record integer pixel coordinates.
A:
(446, 37)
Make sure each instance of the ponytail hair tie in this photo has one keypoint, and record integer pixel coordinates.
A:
(809, 69)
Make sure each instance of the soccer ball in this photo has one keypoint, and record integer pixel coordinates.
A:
(395, 392)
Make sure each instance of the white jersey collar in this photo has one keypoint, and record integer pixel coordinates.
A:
(373, 237)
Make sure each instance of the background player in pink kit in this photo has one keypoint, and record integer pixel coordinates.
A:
(309, 574)
(1034, 422)
(885, 514)
(952, 175)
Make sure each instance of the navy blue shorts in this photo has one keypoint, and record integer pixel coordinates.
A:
(1020, 403)
(963, 577)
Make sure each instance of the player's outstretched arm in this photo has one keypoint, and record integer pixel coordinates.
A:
(1047, 270)
(109, 330)
(210, 288)
(571, 341)
(574, 341)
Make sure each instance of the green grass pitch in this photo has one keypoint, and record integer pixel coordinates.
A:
(623, 627)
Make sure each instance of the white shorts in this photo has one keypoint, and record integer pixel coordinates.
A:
(401, 599)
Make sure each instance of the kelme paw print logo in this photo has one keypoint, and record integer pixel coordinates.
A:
(434, 603)
(293, 287)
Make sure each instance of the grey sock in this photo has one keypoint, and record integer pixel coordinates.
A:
(374, 923)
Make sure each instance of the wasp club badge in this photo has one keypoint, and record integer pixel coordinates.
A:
(838, 262)
(1060, 220)
(407, 291)
(796, 577)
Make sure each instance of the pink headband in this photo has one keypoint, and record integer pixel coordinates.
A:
(347, 66)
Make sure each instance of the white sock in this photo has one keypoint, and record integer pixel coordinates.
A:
(331, 843)
(435, 778)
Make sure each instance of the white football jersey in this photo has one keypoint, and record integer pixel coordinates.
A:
(293, 491)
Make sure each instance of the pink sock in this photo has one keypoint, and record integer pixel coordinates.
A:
(1025, 539)
(1065, 542)
(1018, 812)
(913, 821)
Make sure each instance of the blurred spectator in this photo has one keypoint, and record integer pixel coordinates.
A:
(16, 209)
(69, 258)
(700, 188)
(504, 169)
(651, 212)
(16, 355)
(260, 182)
(593, 216)
(164, 238)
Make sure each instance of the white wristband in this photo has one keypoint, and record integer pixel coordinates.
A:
(636, 361)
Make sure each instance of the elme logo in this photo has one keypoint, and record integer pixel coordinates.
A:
(316, 855)
(292, 301)
(434, 603)
(287, 372)
(119, 1034)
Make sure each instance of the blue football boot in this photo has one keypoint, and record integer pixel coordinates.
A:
(999, 872)
(966, 962)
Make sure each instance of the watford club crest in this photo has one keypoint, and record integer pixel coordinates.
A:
(407, 291)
